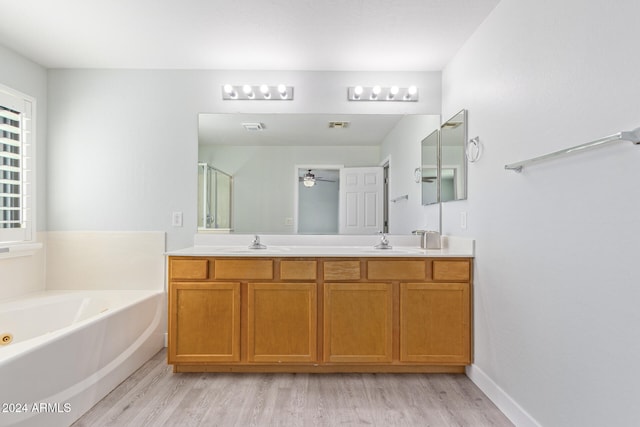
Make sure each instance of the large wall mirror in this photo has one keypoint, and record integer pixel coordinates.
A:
(268, 155)
(444, 162)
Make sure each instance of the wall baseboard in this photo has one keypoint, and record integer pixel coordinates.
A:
(500, 398)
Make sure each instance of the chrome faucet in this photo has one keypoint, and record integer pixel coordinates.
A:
(256, 243)
(384, 243)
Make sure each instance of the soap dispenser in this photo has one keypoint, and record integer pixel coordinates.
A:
(428, 239)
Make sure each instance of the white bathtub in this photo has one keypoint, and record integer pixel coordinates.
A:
(70, 349)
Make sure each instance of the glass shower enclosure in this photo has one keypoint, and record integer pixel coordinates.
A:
(214, 198)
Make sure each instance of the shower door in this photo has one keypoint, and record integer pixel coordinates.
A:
(214, 198)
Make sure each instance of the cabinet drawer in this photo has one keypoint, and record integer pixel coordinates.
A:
(451, 270)
(189, 269)
(244, 269)
(298, 270)
(396, 270)
(341, 270)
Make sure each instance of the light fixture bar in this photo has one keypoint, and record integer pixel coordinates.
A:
(260, 92)
(382, 93)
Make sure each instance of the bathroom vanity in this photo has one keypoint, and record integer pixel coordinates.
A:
(319, 309)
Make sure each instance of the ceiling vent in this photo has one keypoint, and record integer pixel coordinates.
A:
(338, 125)
(253, 127)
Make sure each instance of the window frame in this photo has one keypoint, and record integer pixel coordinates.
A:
(26, 105)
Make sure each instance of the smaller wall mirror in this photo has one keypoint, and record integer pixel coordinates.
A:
(453, 161)
(444, 163)
(429, 168)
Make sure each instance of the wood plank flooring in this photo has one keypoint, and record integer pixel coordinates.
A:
(155, 396)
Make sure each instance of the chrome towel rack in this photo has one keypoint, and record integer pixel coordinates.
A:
(631, 136)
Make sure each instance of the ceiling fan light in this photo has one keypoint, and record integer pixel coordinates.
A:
(309, 180)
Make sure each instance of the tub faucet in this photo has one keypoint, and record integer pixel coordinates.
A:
(256, 243)
(384, 243)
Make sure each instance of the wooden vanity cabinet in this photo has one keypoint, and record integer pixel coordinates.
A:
(358, 322)
(282, 322)
(435, 323)
(204, 322)
(319, 314)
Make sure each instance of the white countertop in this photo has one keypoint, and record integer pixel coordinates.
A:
(451, 247)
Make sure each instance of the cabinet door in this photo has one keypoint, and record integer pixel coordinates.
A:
(434, 323)
(282, 322)
(358, 322)
(204, 322)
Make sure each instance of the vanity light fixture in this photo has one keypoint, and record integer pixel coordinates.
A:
(382, 93)
(260, 92)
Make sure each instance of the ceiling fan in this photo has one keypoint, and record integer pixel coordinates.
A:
(309, 179)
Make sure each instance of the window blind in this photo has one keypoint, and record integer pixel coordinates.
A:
(15, 171)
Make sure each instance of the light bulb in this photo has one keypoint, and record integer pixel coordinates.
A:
(375, 91)
(264, 90)
(411, 92)
(248, 90)
(393, 91)
(357, 91)
(230, 91)
(282, 90)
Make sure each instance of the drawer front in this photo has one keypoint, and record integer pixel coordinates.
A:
(189, 269)
(396, 270)
(451, 270)
(244, 269)
(298, 270)
(341, 270)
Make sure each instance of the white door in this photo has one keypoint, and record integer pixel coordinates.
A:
(361, 199)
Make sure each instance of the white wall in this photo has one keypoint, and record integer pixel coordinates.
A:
(25, 274)
(556, 282)
(123, 143)
(264, 178)
(403, 149)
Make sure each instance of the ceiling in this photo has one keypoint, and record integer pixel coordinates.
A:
(345, 35)
(295, 129)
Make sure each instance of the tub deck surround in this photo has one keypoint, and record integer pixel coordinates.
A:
(320, 308)
(71, 348)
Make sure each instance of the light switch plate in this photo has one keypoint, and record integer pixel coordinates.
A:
(176, 219)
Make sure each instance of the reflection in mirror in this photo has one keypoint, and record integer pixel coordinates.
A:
(453, 135)
(318, 199)
(430, 161)
(214, 198)
(264, 163)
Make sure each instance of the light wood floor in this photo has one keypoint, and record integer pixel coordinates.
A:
(155, 396)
